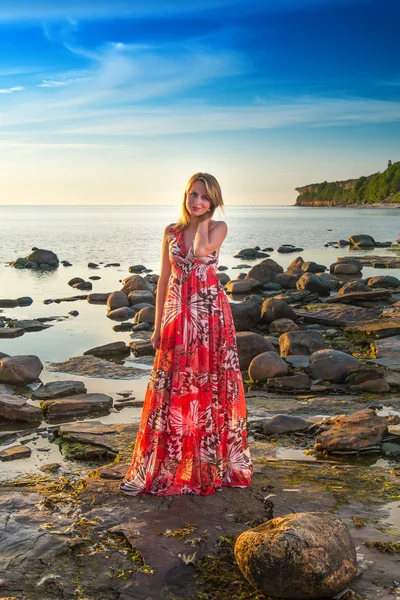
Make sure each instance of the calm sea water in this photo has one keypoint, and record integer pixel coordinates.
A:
(131, 235)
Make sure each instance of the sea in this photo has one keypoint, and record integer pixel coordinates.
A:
(131, 235)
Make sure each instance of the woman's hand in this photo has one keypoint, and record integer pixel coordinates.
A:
(155, 339)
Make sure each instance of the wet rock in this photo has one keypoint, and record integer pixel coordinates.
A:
(73, 313)
(246, 315)
(313, 284)
(299, 382)
(92, 366)
(336, 315)
(11, 332)
(244, 286)
(117, 300)
(24, 301)
(75, 280)
(266, 365)
(369, 380)
(286, 280)
(288, 248)
(343, 243)
(332, 365)
(139, 296)
(15, 453)
(135, 282)
(98, 298)
(383, 281)
(283, 325)
(250, 253)
(20, 369)
(274, 309)
(16, 408)
(346, 268)
(142, 348)
(265, 271)
(354, 286)
(145, 315)
(223, 278)
(358, 431)
(354, 297)
(387, 348)
(312, 267)
(58, 389)
(83, 285)
(284, 424)
(379, 328)
(112, 349)
(301, 342)
(8, 303)
(249, 346)
(78, 405)
(301, 555)
(40, 256)
(121, 314)
(28, 324)
(362, 241)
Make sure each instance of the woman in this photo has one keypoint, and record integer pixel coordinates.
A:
(192, 436)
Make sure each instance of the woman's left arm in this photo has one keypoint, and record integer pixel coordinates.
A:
(207, 240)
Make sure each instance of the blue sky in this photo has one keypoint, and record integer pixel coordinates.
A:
(120, 101)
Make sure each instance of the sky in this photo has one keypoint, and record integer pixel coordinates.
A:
(121, 101)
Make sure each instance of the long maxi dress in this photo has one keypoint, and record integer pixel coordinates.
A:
(192, 437)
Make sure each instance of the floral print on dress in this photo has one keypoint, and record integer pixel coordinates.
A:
(192, 436)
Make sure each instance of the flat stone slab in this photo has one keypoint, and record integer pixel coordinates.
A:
(297, 361)
(81, 404)
(387, 348)
(112, 349)
(91, 366)
(15, 453)
(11, 332)
(29, 325)
(354, 297)
(336, 314)
(387, 262)
(58, 389)
(16, 408)
(379, 328)
(388, 363)
(117, 438)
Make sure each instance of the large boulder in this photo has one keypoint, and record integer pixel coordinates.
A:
(139, 296)
(273, 309)
(300, 342)
(358, 431)
(300, 555)
(117, 300)
(332, 365)
(296, 265)
(135, 282)
(16, 408)
(246, 315)
(249, 346)
(279, 424)
(362, 241)
(265, 271)
(283, 325)
(383, 281)
(286, 280)
(145, 315)
(312, 267)
(20, 369)
(243, 286)
(121, 314)
(266, 365)
(314, 284)
(41, 257)
(358, 285)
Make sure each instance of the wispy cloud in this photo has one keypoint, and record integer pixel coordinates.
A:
(11, 90)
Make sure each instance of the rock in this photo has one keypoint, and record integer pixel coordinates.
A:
(346, 268)
(296, 265)
(336, 315)
(15, 453)
(250, 253)
(75, 280)
(58, 389)
(117, 300)
(73, 313)
(83, 285)
(246, 315)
(353, 432)
(301, 342)
(43, 257)
(141, 327)
(137, 269)
(11, 332)
(314, 284)
(24, 301)
(81, 404)
(254, 298)
(283, 325)
(362, 241)
(28, 325)
(286, 280)
(8, 303)
(301, 555)
(249, 346)
(244, 286)
(121, 314)
(369, 380)
(329, 280)
(391, 450)
(223, 278)
(332, 365)
(20, 369)
(145, 315)
(265, 271)
(266, 365)
(354, 286)
(139, 296)
(299, 382)
(222, 268)
(383, 281)
(354, 297)
(91, 366)
(274, 309)
(142, 348)
(298, 361)
(312, 267)
(284, 424)
(16, 408)
(288, 248)
(387, 348)
(112, 349)
(98, 298)
(272, 287)
(343, 243)
(379, 328)
(135, 282)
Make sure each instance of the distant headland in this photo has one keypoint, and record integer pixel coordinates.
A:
(381, 190)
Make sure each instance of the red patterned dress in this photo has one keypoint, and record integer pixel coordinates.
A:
(192, 436)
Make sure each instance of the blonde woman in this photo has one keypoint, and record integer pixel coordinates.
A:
(192, 436)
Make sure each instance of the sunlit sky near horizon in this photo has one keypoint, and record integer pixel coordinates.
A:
(119, 102)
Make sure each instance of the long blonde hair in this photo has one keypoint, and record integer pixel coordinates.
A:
(213, 190)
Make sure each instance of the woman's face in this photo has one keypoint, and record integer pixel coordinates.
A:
(197, 201)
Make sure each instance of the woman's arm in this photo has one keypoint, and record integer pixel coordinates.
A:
(209, 239)
(165, 272)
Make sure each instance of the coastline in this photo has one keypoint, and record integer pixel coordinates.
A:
(380, 205)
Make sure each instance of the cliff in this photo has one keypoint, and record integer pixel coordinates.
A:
(379, 188)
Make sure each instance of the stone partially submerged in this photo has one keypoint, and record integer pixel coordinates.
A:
(359, 431)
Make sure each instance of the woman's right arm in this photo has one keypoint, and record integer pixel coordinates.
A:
(162, 283)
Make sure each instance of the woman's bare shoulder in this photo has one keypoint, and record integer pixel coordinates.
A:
(168, 228)
(219, 225)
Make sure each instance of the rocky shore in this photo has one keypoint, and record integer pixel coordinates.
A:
(319, 348)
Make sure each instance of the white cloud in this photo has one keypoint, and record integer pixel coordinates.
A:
(11, 90)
